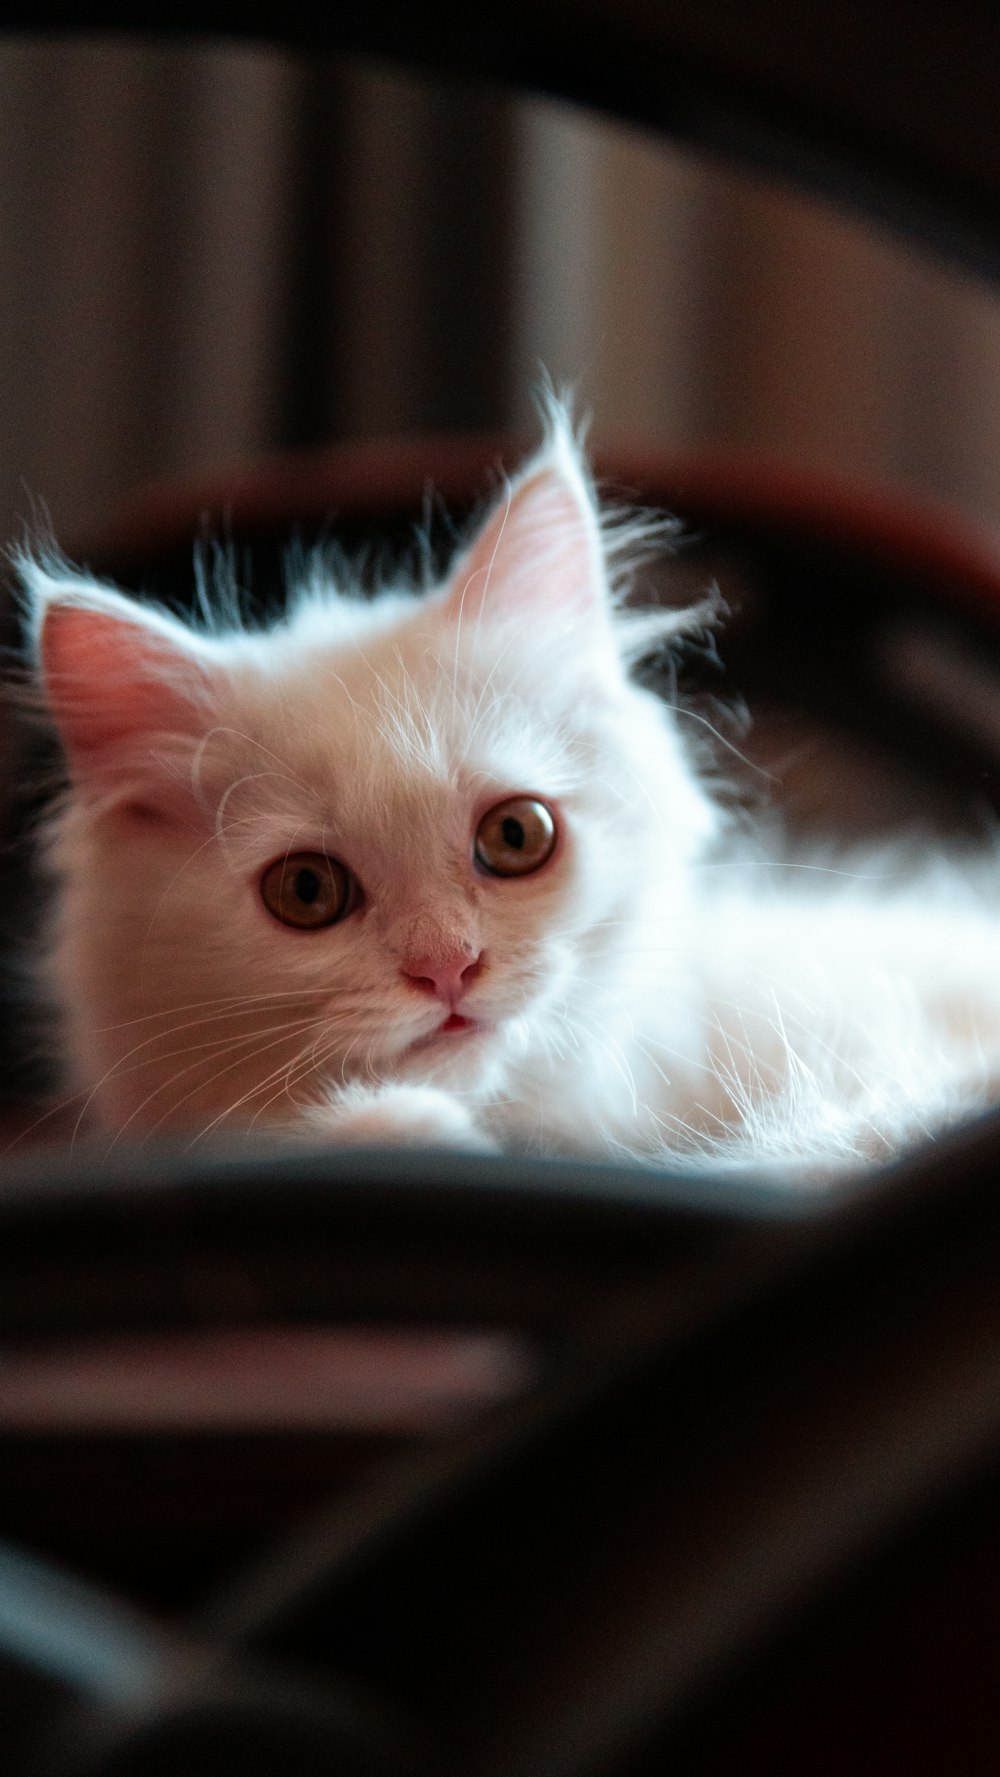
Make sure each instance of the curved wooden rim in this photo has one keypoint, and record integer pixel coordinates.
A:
(718, 491)
(889, 109)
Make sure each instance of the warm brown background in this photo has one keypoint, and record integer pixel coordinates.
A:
(210, 252)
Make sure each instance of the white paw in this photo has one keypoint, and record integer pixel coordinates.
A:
(397, 1117)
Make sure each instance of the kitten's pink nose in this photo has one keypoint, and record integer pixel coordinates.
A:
(447, 977)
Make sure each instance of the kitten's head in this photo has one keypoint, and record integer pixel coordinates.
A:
(406, 837)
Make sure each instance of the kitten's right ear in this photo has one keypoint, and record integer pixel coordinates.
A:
(114, 673)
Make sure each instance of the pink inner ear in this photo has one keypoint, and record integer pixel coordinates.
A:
(540, 549)
(110, 681)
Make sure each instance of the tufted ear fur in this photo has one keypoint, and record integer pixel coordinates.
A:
(539, 552)
(116, 675)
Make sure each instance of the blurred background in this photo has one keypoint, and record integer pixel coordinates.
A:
(209, 253)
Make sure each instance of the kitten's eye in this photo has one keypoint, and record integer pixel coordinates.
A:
(515, 837)
(306, 889)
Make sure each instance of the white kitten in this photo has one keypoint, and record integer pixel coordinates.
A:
(430, 869)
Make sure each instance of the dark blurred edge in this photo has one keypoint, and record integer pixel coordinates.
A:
(884, 109)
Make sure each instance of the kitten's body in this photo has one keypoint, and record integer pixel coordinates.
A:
(648, 989)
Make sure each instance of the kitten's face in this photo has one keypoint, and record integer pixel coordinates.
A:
(387, 841)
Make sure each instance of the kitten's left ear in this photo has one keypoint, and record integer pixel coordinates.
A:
(540, 550)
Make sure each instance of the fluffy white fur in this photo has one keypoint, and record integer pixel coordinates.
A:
(652, 991)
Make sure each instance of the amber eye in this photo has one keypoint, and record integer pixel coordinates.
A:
(306, 889)
(515, 837)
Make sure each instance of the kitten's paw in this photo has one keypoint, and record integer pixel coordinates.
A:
(397, 1117)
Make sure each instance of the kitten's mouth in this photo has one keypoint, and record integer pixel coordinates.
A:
(454, 1026)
